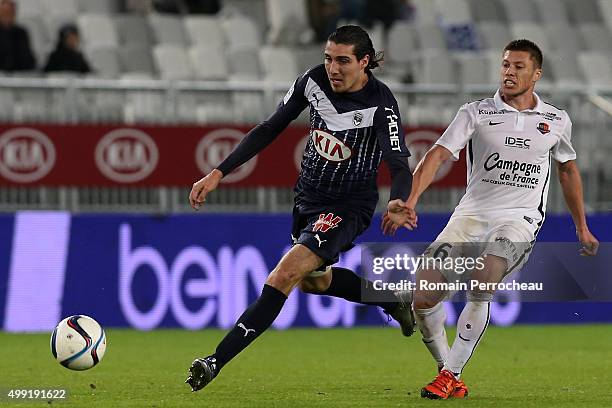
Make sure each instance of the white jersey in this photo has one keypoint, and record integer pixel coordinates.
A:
(508, 156)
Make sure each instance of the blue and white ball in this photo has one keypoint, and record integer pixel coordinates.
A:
(78, 342)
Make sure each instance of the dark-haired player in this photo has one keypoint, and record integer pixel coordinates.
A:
(355, 122)
(511, 140)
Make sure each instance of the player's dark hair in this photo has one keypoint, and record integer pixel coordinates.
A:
(527, 46)
(361, 42)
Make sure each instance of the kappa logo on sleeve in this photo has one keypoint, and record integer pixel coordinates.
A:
(326, 222)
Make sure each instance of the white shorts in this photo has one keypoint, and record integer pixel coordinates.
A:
(509, 238)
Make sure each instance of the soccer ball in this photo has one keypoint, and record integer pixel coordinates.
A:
(78, 342)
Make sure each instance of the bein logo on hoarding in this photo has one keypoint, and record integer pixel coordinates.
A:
(126, 155)
(26, 155)
(222, 289)
(215, 146)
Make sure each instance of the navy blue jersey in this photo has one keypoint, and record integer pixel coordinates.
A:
(349, 135)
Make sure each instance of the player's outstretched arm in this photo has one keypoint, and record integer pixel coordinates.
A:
(203, 186)
(254, 142)
(571, 184)
(426, 171)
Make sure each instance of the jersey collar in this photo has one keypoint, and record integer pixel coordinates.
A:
(500, 105)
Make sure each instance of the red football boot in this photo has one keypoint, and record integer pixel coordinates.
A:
(460, 391)
(442, 387)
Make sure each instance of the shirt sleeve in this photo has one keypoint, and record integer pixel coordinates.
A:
(564, 151)
(389, 130)
(401, 177)
(392, 142)
(264, 133)
(459, 132)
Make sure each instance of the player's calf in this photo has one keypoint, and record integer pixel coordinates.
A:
(318, 281)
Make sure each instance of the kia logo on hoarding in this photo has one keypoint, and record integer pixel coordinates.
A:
(126, 155)
(419, 143)
(298, 153)
(215, 146)
(26, 155)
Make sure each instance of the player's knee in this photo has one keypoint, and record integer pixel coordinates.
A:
(479, 296)
(283, 278)
(422, 301)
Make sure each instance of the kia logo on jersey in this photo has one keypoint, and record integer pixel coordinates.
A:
(329, 147)
(26, 155)
(126, 155)
(543, 127)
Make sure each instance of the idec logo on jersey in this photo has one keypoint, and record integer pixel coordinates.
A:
(326, 222)
(215, 146)
(26, 155)
(543, 127)
(518, 142)
(330, 147)
(126, 155)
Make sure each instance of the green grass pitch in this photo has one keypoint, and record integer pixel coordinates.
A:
(523, 366)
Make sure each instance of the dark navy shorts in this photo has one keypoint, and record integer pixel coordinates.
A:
(327, 231)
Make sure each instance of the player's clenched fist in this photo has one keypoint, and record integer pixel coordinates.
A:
(205, 185)
(589, 243)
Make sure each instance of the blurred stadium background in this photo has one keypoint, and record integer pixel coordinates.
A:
(229, 69)
(95, 169)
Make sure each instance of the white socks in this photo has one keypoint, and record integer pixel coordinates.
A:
(471, 326)
(431, 323)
